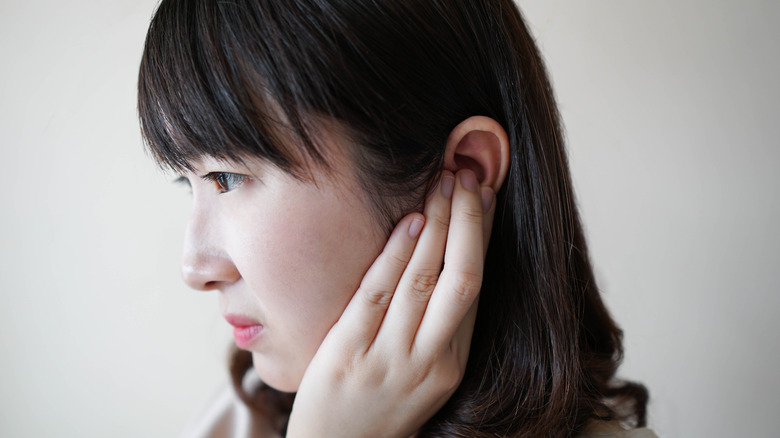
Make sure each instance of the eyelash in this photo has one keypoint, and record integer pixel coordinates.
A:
(225, 181)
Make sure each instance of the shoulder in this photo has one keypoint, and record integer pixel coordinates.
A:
(224, 415)
(614, 430)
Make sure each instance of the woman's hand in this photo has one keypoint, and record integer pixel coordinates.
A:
(400, 348)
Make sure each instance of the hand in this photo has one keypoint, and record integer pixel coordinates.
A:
(400, 348)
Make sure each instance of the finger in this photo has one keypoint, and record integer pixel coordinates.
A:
(461, 341)
(461, 279)
(363, 316)
(422, 273)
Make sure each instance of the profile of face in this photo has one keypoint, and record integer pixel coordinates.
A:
(285, 255)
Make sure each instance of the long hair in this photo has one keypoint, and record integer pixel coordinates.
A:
(228, 79)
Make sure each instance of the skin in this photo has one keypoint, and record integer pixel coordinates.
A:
(399, 351)
(372, 325)
(283, 252)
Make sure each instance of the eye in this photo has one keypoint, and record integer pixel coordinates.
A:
(225, 181)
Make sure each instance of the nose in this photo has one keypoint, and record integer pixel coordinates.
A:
(206, 264)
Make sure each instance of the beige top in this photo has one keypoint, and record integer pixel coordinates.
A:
(226, 416)
(614, 430)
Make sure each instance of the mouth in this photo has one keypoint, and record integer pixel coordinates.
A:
(246, 331)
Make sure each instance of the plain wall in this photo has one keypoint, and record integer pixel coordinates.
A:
(670, 110)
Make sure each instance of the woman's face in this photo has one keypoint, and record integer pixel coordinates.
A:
(286, 256)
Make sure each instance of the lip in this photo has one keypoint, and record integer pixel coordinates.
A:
(246, 330)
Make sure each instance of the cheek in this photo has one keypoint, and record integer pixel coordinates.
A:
(308, 258)
(333, 249)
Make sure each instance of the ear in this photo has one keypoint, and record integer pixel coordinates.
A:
(479, 143)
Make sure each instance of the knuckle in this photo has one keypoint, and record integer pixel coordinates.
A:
(422, 284)
(440, 223)
(443, 376)
(450, 379)
(397, 261)
(377, 296)
(419, 374)
(471, 215)
(466, 286)
(372, 377)
(448, 373)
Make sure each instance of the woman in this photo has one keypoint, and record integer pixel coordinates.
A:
(339, 153)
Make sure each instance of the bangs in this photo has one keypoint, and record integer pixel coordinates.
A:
(208, 87)
(246, 79)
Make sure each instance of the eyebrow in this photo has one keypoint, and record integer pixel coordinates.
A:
(183, 180)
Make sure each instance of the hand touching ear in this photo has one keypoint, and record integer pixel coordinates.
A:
(400, 348)
(480, 144)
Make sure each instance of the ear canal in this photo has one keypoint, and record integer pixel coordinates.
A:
(479, 144)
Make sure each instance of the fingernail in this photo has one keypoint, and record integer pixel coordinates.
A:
(469, 181)
(415, 227)
(487, 198)
(447, 184)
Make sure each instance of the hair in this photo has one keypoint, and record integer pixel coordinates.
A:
(240, 78)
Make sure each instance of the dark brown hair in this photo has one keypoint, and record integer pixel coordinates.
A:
(225, 78)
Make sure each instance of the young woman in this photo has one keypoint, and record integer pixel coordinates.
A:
(382, 199)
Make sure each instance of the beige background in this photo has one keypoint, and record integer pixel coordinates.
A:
(670, 109)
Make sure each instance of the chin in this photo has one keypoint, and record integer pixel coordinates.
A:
(281, 378)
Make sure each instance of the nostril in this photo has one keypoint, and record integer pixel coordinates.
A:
(209, 285)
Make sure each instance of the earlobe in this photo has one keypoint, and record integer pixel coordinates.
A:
(479, 143)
